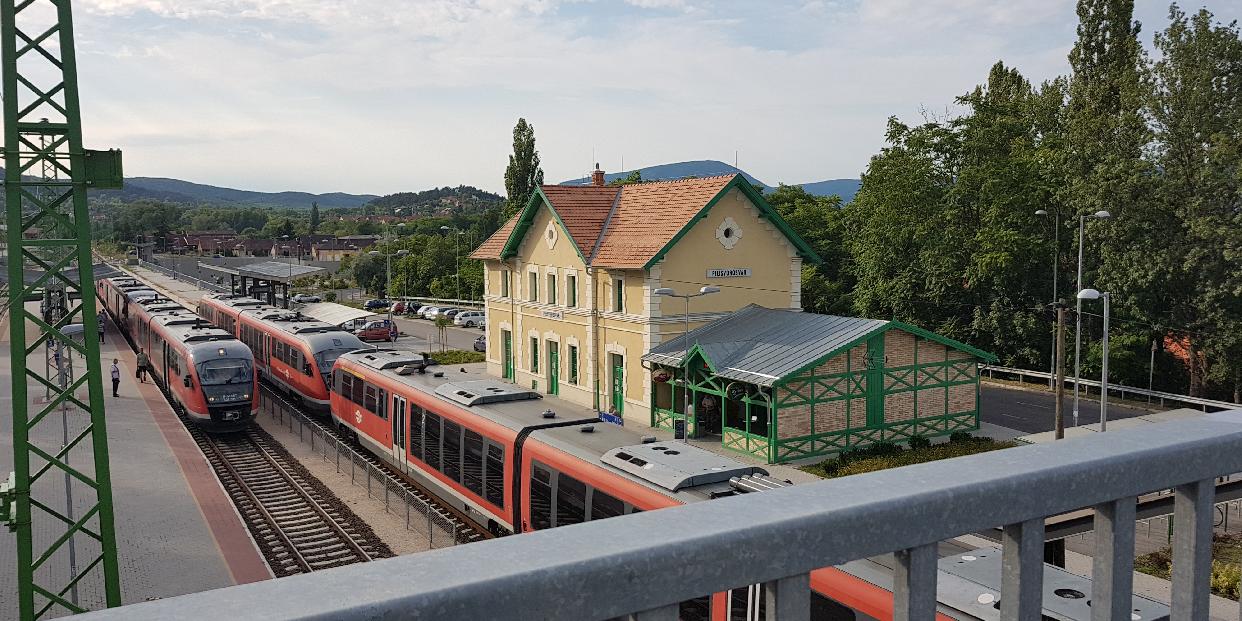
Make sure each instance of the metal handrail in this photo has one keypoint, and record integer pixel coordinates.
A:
(646, 563)
(1118, 388)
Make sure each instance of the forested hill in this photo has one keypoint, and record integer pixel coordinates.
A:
(185, 192)
(462, 199)
(845, 188)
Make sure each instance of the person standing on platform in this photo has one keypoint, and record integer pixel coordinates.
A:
(143, 362)
(99, 320)
(116, 377)
(392, 330)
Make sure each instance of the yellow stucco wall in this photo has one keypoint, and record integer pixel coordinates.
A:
(761, 247)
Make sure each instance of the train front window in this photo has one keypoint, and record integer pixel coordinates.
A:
(225, 371)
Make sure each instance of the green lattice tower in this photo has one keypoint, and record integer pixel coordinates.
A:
(48, 241)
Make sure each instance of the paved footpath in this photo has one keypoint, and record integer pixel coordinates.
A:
(177, 531)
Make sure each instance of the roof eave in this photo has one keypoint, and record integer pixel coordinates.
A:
(765, 210)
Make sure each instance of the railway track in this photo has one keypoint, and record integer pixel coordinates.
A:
(466, 529)
(298, 523)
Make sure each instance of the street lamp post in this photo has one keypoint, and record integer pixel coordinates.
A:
(1082, 219)
(1056, 261)
(1092, 294)
(456, 256)
(685, 371)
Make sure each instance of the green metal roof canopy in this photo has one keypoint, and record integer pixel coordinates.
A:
(761, 345)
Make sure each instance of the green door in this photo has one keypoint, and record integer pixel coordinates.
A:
(554, 368)
(875, 381)
(506, 340)
(618, 383)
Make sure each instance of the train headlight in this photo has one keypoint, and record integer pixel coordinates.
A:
(211, 399)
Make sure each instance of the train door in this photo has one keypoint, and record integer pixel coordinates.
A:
(398, 429)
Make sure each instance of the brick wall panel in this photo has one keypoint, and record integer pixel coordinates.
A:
(898, 407)
(830, 416)
(962, 398)
(794, 422)
(898, 348)
(931, 402)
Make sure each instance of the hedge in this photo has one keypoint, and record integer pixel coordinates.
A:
(885, 455)
(456, 356)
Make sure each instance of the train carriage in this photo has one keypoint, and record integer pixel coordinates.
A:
(292, 351)
(516, 461)
(206, 372)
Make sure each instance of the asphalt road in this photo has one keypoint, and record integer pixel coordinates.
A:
(1031, 411)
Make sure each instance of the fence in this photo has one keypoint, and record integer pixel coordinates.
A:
(419, 515)
(182, 276)
(1120, 390)
(646, 563)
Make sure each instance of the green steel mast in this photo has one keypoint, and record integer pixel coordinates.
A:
(46, 175)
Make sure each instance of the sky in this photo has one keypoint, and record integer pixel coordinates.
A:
(381, 96)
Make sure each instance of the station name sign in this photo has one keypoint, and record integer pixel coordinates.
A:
(549, 314)
(729, 272)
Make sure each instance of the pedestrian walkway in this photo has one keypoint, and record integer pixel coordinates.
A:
(177, 531)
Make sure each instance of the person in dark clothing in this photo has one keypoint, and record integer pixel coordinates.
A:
(144, 364)
(116, 376)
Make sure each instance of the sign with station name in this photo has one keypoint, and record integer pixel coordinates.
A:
(552, 314)
(729, 272)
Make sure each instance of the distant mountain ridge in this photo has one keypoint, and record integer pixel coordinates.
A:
(178, 191)
(845, 188)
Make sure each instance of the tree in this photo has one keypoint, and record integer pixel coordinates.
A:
(821, 222)
(634, 177)
(314, 217)
(523, 175)
(1198, 123)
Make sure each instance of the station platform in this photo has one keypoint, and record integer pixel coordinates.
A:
(177, 531)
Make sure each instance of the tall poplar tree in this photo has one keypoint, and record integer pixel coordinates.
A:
(1196, 106)
(523, 175)
(314, 218)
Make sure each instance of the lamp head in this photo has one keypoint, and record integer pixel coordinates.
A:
(445, 228)
(1089, 294)
(1101, 214)
(664, 291)
(1041, 212)
(709, 289)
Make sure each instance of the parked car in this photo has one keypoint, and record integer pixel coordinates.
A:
(376, 330)
(450, 313)
(428, 312)
(480, 344)
(468, 319)
(375, 304)
(306, 298)
(414, 308)
(398, 308)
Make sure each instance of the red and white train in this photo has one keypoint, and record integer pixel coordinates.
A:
(515, 461)
(291, 350)
(206, 372)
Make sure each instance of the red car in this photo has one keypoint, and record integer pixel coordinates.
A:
(398, 308)
(378, 330)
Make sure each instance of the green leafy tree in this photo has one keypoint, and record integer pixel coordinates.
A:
(821, 222)
(634, 177)
(314, 217)
(523, 175)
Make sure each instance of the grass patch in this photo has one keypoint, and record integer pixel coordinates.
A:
(1226, 565)
(456, 356)
(885, 455)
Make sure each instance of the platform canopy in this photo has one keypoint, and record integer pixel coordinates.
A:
(272, 271)
(333, 313)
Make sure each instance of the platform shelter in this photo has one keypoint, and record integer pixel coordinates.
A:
(783, 385)
(260, 280)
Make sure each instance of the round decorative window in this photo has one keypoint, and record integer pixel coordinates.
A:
(550, 235)
(728, 233)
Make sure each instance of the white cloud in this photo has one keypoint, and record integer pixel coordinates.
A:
(381, 96)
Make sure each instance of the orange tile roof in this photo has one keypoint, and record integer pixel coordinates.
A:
(621, 227)
(584, 210)
(492, 246)
(649, 215)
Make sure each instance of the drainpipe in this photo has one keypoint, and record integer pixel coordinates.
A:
(512, 324)
(593, 329)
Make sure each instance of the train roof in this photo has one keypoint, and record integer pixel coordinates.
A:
(234, 300)
(674, 468)
(198, 333)
(291, 322)
(126, 282)
(505, 404)
(178, 318)
(142, 293)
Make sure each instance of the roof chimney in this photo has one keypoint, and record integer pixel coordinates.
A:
(597, 176)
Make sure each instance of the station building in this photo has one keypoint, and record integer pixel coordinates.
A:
(569, 291)
(569, 281)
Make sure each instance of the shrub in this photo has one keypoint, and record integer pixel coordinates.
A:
(1225, 579)
(455, 356)
(885, 455)
(329, 296)
(958, 437)
(919, 442)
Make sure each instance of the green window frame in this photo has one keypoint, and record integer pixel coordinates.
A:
(573, 364)
(571, 290)
(551, 288)
(618, 295)
(504, 283)
(534, 354)
(532, 295)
